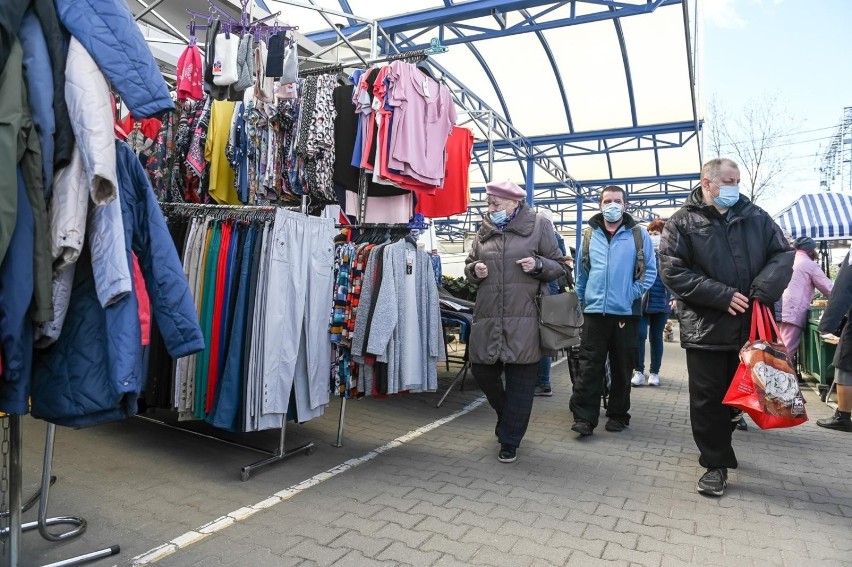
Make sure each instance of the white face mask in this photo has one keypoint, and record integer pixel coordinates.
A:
(655, 239)
(613, 212)
(497, 216)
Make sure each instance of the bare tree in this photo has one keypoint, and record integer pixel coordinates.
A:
(754, 138)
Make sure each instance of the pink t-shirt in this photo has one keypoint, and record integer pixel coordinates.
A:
(424, 116)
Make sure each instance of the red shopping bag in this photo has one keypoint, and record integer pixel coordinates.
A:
(765, 385)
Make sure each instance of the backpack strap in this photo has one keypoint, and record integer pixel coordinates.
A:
(586, 261)
(639, 267)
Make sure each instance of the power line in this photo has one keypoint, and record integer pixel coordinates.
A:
(779, 145)
(791, 134)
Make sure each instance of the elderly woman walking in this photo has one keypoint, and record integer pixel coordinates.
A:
(512, 258)
(797, 298)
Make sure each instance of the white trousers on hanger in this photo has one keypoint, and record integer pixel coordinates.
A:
(261, 420)
(299, 302)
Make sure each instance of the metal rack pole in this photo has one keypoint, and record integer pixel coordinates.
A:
(461, 374)
(279, 455)
(340, 422)
(16, 528)
(16, 440)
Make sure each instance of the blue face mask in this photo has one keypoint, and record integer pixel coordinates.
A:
(613, 212)
(729, 195)
(497, 216)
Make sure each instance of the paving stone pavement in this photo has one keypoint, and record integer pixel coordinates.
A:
(442, 498)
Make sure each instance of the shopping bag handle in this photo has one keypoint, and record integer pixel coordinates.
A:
(763, 322)
(755, 317)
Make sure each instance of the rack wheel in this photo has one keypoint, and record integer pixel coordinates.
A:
(309, 451)
(244, 476)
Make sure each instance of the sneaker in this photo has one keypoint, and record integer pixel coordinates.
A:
(584, 428)
(638, 378)
(713, 482)
(738, 420)
(507, 454)
(837, 422)
(614, 426)
(544, 392)
(654, 379)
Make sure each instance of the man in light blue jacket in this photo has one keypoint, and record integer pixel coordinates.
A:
(610, 286)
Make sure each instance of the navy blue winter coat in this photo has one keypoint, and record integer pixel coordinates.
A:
(658, 298)
(108, 32)
(93, 373)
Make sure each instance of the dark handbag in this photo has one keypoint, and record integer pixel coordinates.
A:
(560, 320)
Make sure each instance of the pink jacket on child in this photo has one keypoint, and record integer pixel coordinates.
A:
(796, 300)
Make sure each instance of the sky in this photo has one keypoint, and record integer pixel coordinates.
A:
(799, 50)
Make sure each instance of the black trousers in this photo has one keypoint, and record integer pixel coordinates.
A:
(513, 403)
(710, 375)
(605, 335)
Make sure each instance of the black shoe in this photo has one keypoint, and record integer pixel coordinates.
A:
(742, 425)
(507, 453)
(584, 428)
(713, 482)
(614, 426)
(837, 422)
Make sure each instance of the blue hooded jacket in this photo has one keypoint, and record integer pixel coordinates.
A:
(93, 373)
(109, 33)
(608, 287)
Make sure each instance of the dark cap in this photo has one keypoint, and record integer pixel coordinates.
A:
(805, 243)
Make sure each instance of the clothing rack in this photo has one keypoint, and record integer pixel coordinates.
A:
(221, 212)
(14, 426)
(420, 55)
(232, 25)
(364, 226)
(260, 213)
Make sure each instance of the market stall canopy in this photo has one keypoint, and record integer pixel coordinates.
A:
(822, 216)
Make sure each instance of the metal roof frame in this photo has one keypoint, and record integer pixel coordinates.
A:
(547, 152)
(431, 23)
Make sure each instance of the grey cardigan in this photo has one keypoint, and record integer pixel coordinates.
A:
(388, 334)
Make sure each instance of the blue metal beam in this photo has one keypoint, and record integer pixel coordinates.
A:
(438, 17)
(631, 95)
(595, 135)
(621, 181)
(344, 5)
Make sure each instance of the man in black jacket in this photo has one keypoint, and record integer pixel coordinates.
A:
(840, 306)
(718, 253)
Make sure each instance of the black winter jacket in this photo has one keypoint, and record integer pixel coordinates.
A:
(705, 258)
(840, 306)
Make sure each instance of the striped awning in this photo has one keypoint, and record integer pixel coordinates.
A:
(822, 216)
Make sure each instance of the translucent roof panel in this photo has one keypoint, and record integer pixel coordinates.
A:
(589, 59)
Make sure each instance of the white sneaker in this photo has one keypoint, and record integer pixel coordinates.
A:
(638, 378)
(654, 379)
